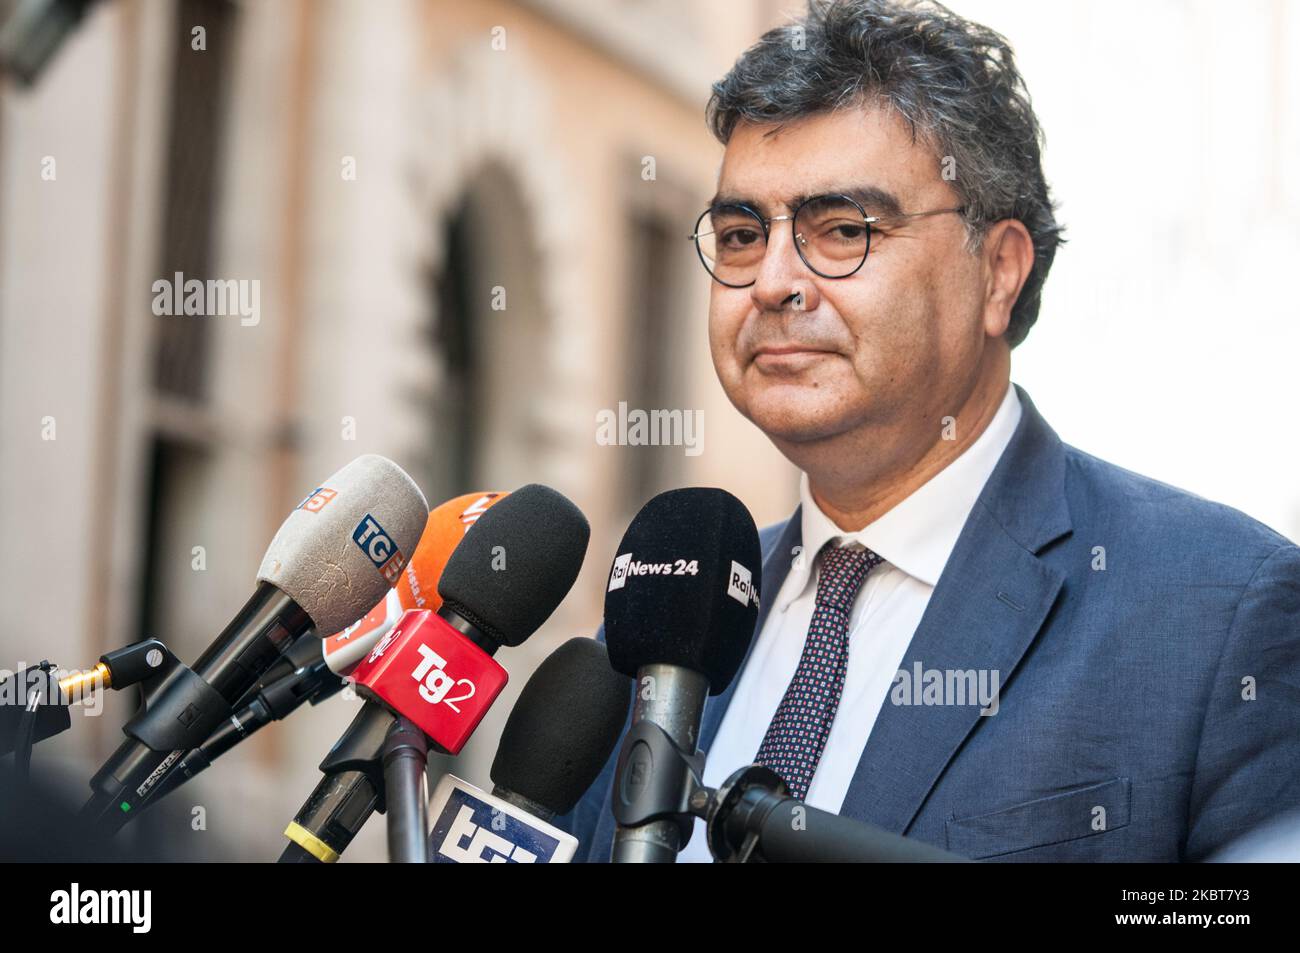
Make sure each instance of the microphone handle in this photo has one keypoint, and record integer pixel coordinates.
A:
(266, 627)
(406, 754)
(277, 700)
(351, 790)
(794, 833)
(673, 698)
(185, 710)
(330, 818)
(293, 854)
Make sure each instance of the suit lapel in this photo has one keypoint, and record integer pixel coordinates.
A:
(984, 613)
(776, 565)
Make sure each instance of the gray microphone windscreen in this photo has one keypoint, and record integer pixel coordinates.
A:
(344, 546)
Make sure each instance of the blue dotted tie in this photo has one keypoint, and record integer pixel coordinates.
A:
(797, 736)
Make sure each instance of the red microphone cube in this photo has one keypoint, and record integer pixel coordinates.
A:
(432, 675)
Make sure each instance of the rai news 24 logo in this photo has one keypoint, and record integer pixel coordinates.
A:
(740, 584)
(379, 548)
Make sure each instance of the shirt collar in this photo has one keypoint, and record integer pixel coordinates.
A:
(918, 534)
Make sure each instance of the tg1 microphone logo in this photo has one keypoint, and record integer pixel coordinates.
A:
(379, 548)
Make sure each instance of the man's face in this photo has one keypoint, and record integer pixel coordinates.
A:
(896, 344)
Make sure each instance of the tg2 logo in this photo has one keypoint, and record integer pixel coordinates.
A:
(435, 683)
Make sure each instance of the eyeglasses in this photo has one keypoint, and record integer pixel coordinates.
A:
(832, 235)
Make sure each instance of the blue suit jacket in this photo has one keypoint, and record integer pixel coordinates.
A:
(1149, 710)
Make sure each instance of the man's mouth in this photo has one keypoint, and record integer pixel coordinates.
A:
(788, 357)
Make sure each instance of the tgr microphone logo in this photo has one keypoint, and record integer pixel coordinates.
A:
(473, 827)
(470, 831)
(379, 548)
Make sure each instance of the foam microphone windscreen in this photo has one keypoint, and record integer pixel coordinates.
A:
(683, 589)
(563, 727)
(345, 545)
(516, 564)
(447, 526)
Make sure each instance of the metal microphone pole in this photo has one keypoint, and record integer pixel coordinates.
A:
(406, 755)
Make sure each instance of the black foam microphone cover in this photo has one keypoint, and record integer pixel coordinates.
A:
(564, 726)
(683, 589)
(516, 563)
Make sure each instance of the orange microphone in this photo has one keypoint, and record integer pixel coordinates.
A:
(417, 588)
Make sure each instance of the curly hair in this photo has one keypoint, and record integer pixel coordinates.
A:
(953, 81)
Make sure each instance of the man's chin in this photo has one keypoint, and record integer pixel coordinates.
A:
(803, 419)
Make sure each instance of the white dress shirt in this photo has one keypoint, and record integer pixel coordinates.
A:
(915, 539)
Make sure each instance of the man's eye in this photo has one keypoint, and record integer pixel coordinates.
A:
(846, 231)
(740, 237)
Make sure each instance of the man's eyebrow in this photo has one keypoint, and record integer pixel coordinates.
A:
(874, 199)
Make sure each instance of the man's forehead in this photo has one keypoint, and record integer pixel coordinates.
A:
(863, 148)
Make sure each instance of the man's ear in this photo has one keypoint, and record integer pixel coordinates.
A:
(1008, 258)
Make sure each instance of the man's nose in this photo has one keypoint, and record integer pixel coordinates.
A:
(784, 282)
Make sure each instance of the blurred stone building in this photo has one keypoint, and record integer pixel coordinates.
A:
(467, 228)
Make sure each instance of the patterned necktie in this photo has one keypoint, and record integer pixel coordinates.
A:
(797, 736)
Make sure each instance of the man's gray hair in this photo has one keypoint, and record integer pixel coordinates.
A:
(955, 83)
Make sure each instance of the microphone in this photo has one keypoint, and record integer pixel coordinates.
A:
(558, 737)
(680, 611)
(751, 818)
(435, 669)
(312, 669)
(447, 526)
(334, 556)
(417, 587)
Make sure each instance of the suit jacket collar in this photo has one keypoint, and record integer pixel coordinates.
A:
(985, 612)
(1025, 494)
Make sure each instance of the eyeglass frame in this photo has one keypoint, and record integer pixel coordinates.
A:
(867, 220)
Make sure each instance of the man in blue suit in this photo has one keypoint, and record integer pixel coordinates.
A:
(970, 633)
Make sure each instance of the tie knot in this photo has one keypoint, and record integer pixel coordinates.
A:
(843, 570)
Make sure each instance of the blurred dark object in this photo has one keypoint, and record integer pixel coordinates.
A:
(31, 32)
(39, 823)
(23, 725)
(40, 819)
